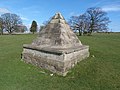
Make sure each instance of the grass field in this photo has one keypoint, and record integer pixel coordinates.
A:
(101, 71)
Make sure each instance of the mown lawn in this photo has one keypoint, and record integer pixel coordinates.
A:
(101, 71)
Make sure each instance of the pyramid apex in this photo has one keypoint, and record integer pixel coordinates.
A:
(58, 18)
(58, 15)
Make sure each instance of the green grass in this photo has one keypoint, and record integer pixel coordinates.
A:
(101, 72)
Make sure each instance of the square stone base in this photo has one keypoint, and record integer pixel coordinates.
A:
(57, 61)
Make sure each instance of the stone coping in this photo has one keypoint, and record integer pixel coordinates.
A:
(56, 51)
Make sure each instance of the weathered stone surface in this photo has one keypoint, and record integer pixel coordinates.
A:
(58, 63)
(57, 34)
(57, 48)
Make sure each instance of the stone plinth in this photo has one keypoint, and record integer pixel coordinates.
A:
(56, 60)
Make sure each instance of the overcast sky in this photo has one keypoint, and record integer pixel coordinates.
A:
(42, 10)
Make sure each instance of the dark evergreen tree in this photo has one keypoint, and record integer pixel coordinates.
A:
(33, 27)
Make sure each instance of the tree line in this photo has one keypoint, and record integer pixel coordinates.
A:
(13, 23)
(93, 20)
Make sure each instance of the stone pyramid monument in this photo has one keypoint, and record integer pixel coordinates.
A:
(56, 48)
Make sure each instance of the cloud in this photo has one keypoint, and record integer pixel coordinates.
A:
(4, 10)
(108, 5)
(98, 3)
(23, 18)
(111, 8)
(74, 14)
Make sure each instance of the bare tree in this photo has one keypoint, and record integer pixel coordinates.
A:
(79, 23)
(94, 20)
(98, 20)
(11, 21)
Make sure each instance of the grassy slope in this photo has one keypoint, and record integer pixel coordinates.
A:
(101, 72)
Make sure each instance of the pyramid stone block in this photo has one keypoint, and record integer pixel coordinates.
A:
(57, 48)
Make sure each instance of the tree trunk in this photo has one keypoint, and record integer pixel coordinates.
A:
(1, 31)
(79, 32)
(9, 32)
(89, 33)
(33, 32)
